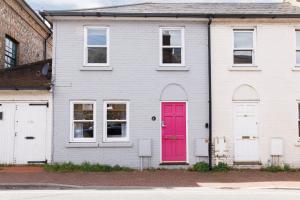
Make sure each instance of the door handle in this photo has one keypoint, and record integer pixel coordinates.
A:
(163, 124)
(29, 138)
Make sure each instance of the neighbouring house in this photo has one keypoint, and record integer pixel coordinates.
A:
(255, 87)
(132, 84)
(25, 85)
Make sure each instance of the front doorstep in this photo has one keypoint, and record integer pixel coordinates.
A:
(174, 163)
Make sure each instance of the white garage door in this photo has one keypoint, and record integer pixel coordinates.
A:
(23, 133)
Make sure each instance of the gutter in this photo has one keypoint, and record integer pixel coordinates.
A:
(209, 94)
(45, 14)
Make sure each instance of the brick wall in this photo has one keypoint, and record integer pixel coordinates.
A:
(16, 22)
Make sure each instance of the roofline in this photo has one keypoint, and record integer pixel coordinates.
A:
(34, 15)
(177, 15)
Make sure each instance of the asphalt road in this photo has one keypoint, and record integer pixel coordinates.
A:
(155, 194)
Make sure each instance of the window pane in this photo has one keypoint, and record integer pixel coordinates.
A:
(96, 37)
(97, 55)
(171, 38)
(243, 40)
(298, 39)
(242, 57)
(298, 57)
(116, 129)
(116, 111)
(10, 53)
(171, 55)
(83, 111)
(83, 129)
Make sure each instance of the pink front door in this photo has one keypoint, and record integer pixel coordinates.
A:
(173, 131)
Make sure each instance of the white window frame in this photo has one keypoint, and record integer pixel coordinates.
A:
(85, 63)
(241, 30)
(182, 46)
(82, 140)
(105, 138)
(297, 49)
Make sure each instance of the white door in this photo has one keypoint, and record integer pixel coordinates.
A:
(26, 125)
(7, 134)
(246, 132)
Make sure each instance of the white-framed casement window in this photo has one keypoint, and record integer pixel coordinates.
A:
(96, 46)
(116, 121)
(83, 121)
(172, 46)
(243, 47)
(298, 47)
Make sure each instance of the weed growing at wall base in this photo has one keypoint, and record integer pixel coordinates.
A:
(84, 167)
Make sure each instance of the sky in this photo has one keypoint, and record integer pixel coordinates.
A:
(76, 4)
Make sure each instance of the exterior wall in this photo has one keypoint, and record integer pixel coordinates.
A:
(134, 58)
(276, 80)
(34, 96)
(16, 22)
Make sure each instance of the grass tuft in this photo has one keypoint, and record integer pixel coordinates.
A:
(84, 167)
(275, 168)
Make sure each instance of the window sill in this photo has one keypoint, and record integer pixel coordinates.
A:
(82, 145)
(96, 68)
(297, 144)
(296, 68)
(244, 68)
(172, 68)
(115, 144)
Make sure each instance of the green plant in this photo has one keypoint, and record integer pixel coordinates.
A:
(221, 167)
(200, 167)
(84, 167)
(276, 168)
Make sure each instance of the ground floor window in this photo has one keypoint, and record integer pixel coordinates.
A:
(83, 116)
(116, 121)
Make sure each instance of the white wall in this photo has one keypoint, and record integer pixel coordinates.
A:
(276, 81)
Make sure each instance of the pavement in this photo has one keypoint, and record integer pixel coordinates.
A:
(35, 177)
(153, 194)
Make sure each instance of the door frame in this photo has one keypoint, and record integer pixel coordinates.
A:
(186, 129)
(256, 102)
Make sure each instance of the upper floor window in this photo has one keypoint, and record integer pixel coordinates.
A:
(172, 46)
(243, 50)
(298, 47)
(96, 46)
(10, 52)
(83, 124)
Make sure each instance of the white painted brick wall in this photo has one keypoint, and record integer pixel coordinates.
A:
(134, 57)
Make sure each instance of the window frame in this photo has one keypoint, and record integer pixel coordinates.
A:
(105, 138)
(253, 49)
(82, 140)
(182, 29)
(85, 62)
(296, 48)
(16, 53)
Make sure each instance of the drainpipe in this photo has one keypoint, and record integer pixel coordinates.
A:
(45, 45)
(209, 94)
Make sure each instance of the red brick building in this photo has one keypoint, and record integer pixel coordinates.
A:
(24, 37)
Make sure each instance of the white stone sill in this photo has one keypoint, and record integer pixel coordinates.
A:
(244, 68)
(98, 68)
(172, 68)
(82, 145)
(296, 68)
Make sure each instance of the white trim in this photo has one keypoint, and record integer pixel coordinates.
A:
(297, 49)
(82, 140)
(85, 61)
(182, 46)
(253, 49)
(105, 138)
(186, 127)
